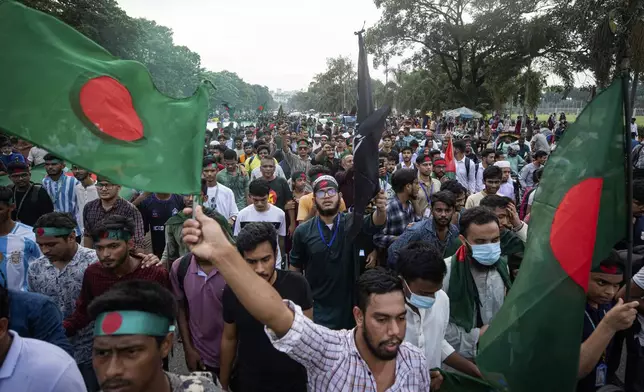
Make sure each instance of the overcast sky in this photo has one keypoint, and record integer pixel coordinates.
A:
(279, 43)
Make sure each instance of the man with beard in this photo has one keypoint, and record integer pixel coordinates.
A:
(373, 354)
(476, 281)
(60, 188)
(32, 200)
(301, 161)
(400, 209)
(85, 191)
(428, 186)
(134, 331)
(244, 338)
(422, 270)
(437, 230)
(110, 203)
(118, 261)
(492, 177)
(516, 162)
(306, 208)
(438, 171)
(328, 258)
(509, 187)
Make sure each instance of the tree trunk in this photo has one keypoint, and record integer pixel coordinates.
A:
(634, 93)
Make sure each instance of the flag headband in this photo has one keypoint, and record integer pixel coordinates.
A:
(54, 161)
(211, 165)
(132, 322)
(613, 269)
(438, 162)
(117, 235)
(324, 182)
(52, 231)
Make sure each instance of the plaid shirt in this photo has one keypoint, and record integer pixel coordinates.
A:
(398, 218)
(94, 213)
(334, 364)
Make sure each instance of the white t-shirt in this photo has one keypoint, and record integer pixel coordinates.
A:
(427, 330)
(273, 215)
(222, 199)
(638, 279)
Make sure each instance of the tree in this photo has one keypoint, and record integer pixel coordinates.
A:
(471, 41)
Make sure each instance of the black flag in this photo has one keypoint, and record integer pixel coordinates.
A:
(365, 144)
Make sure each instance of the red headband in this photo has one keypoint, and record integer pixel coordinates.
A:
(440, 162)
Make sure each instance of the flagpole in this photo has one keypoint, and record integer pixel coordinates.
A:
(628, 268)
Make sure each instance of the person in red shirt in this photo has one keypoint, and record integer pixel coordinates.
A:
(117, 263)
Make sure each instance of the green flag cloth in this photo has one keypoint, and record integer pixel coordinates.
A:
(458, 382)
(578, 215)
(68, 95)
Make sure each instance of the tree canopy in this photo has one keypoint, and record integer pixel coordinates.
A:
(175, 69)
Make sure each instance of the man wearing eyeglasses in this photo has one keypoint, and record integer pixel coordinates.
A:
(110, 203)
(329, 259)
(32, 200)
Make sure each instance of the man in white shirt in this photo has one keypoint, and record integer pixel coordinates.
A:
(36, 156)
(507, 188)
(85, 191)
(422, 270)
(487, 159)
(465, 168)
(262, 211)
(218, 197)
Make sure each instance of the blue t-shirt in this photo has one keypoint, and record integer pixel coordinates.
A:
(155, 213)
(13, 157)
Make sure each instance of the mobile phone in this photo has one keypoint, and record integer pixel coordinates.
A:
(381, 163)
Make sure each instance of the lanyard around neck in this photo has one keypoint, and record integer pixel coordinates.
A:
(336, 226)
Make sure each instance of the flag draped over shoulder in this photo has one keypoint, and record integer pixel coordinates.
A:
(450, 163)
(578, 215)
(365, 144)
(68, 95)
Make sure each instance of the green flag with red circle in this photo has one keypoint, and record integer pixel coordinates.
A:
(578, 215)
(68, 95)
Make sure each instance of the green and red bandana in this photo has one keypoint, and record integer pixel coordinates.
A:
(132, 322)
(54, 161)
(211, 165)
(116, 235)
(52, 231)
(611, 269)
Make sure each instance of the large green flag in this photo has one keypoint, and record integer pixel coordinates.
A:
(578, 215)
(63, 92)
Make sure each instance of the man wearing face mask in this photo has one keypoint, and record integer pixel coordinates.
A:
(476, 280)
(422, 270)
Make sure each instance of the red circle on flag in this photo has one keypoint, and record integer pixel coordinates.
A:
(111, 323)
(574, 229)
(108, 105)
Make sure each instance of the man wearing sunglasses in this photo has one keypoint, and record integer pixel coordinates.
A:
(329, 259)
(32, 200)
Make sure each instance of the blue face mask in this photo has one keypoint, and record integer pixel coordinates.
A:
(420, 301)
(486, 254)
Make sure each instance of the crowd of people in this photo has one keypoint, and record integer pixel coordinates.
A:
(266, 289)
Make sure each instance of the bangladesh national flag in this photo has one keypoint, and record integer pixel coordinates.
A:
(579, 214)
(450, 162)
(63, 92)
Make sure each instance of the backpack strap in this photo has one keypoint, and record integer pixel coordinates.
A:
(182, 270)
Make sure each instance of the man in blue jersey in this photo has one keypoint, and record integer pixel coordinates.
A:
(60, 188)
(18, 247)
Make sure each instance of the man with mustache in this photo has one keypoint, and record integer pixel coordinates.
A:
(32, 200)
(372, 357)
(85, 191)
(132, 334)
(438, 230)
(329, 259)
(118, 261)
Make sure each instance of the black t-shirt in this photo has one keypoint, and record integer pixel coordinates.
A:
(31, 205)
(261, 366)
(280, 192)
(155, 213)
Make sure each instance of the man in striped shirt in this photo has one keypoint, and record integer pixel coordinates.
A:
(60, 188)
(18, 246)
(372, 357)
